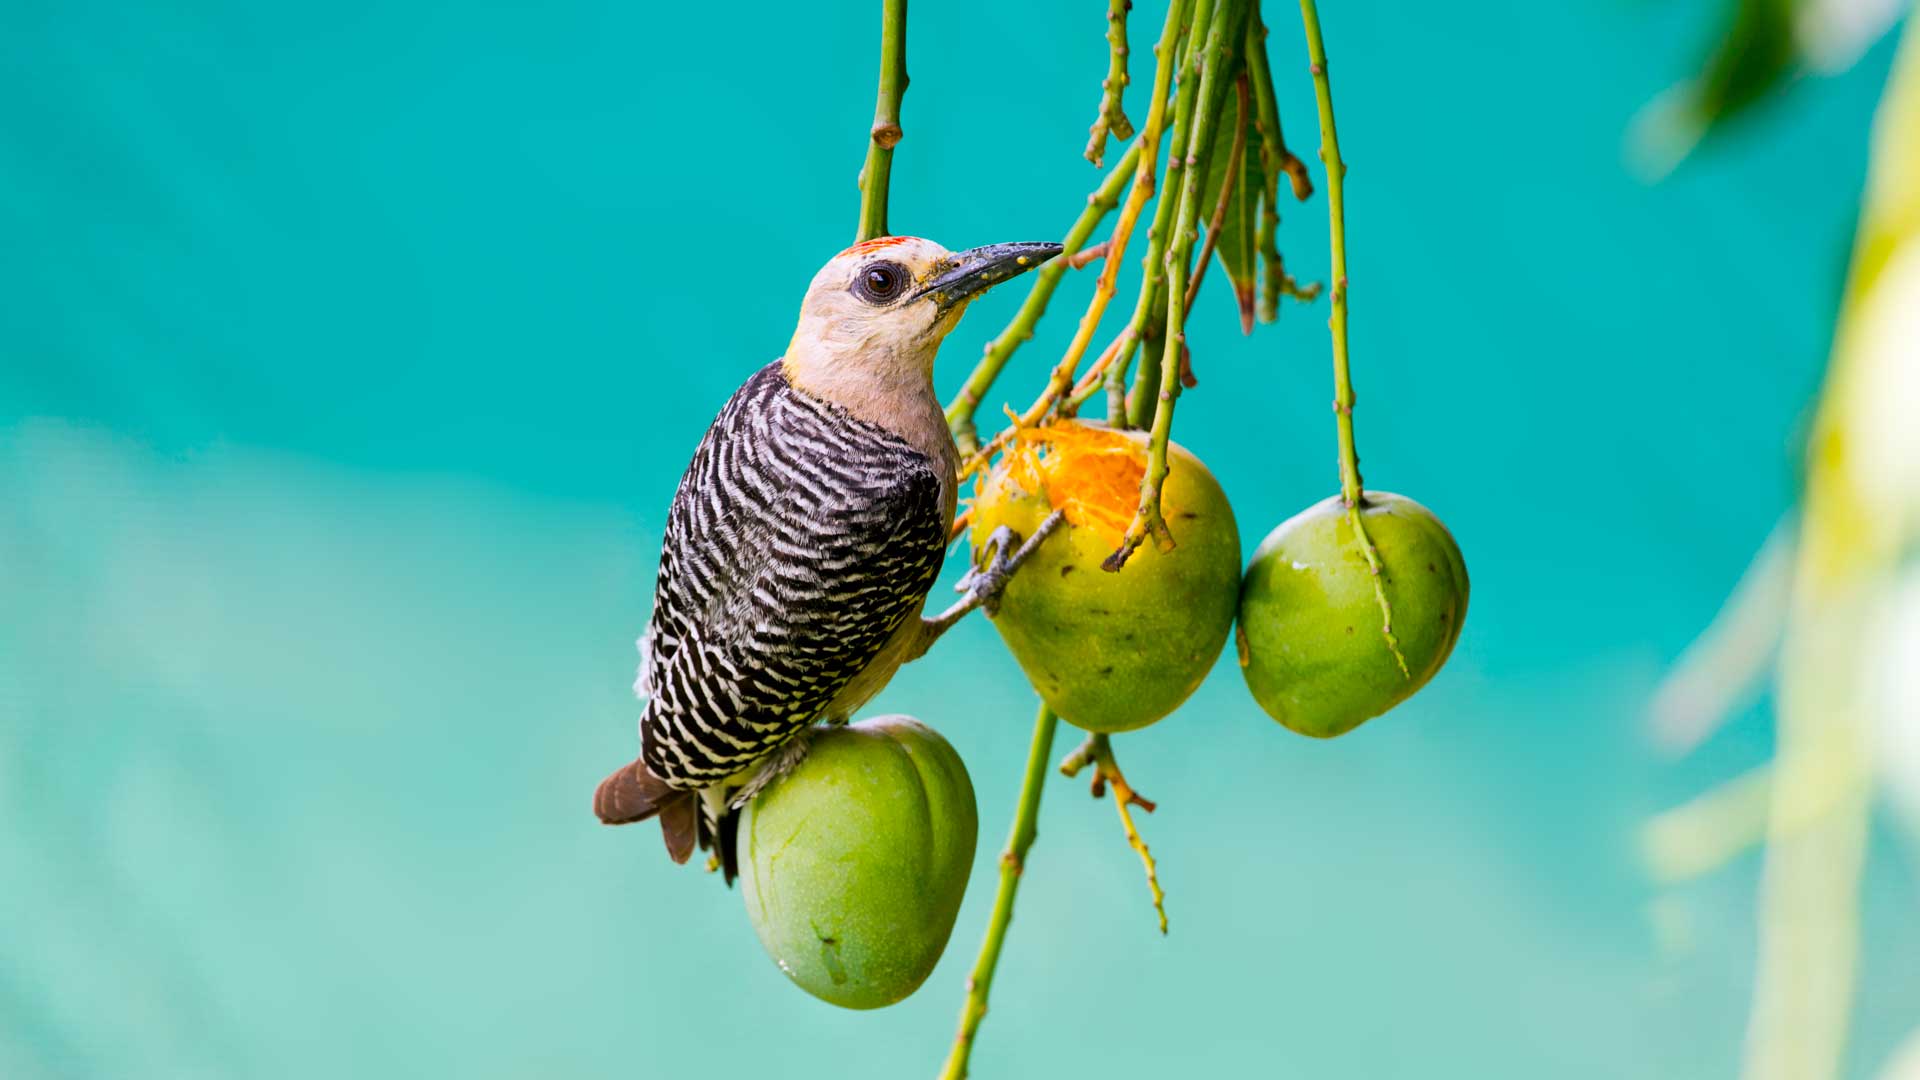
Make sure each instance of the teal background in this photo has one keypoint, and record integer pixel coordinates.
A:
(349, 354)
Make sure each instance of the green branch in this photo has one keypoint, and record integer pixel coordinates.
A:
(1113, 116)
(1012, 863)
(886, 132)
(1352, 492)
(1223, 26)
(1236, 151)
(1275, 159)
(1350, 487)
(1133, 411)
(1116, 379)
(1136, 408)
(1143, 184)
(1097, 751)
(1145, 166)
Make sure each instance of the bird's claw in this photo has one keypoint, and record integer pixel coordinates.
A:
(984, 584)
(1005, 555)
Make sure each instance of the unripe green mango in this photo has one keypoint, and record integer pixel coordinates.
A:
(1311, 645)
(1112, 651)
(854, 864)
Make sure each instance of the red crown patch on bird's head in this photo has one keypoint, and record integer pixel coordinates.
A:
(877, 243)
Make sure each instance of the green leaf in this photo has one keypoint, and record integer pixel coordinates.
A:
(1755, 55)
(1753, 58)
(1237, 246)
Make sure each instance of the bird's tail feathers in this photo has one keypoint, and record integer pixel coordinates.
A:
(634, 794)
(680, 825)
(631, 794)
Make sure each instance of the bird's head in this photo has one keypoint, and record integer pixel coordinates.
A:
(875, 315)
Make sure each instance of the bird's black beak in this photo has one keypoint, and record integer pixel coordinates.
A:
(976, 270)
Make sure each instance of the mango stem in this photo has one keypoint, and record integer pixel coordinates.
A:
(1352, 490)
(1097, 751)
(1012, 862)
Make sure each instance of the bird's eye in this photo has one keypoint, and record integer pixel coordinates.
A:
(880, 283)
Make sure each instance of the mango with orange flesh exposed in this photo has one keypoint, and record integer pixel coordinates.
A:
(1111, 651)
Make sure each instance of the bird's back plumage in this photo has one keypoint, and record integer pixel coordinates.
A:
(799, 541)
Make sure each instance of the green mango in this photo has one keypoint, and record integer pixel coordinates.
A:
(1311, 644)
(1112, 651)
(854, 864)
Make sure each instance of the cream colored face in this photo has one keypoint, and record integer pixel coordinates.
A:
(874, 318)
(865, 313)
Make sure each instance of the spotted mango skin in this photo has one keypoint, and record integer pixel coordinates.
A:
(1118, 651)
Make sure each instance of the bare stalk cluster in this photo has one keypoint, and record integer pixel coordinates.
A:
(1215, 197)
(1212, 107)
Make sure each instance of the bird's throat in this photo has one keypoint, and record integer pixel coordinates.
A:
(895, 394)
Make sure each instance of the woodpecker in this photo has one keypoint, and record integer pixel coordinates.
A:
(804, 539)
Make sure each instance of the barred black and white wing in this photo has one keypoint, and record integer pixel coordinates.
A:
(799, 540)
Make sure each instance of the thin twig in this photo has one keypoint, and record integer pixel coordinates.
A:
(1036, 414)
(1275, 159)
(1352, 492)
(1113, 117)
(1066, 403)
(886, 132)
(1103, 289)
(1116, 377)
(1125, 797)
(1012, 863)
(1060, 385)
(1082, 756)
(1090, 384)
(1122, 412)
(1226, 193)
(1224, 27)
(1143, 186)
(1275, 156)
(1097, 751)
(1079, 259)
(960, 414)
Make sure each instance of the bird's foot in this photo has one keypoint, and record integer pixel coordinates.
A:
(1005, 555)
(775, 766)
(983, 584)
